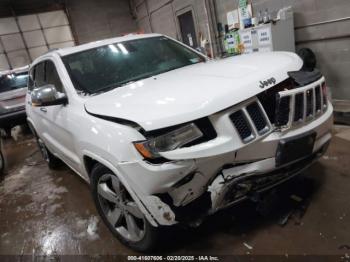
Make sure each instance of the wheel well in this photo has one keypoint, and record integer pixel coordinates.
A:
(89, 164)
(31, 127)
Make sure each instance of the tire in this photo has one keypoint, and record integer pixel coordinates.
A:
(2, 163)
(52, 161)
(105, 184)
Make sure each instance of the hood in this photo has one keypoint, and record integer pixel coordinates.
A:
(195, 91)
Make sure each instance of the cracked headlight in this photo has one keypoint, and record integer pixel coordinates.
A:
(169, 141)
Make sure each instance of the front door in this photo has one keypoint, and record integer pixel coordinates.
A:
(188, 31)
(52, 122)
(59, 122)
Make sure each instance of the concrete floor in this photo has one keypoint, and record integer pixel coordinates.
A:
(52, 213)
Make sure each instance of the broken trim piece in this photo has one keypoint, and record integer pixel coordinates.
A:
(118, 121)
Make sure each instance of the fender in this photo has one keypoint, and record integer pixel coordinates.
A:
(124, 182)
(32, 126)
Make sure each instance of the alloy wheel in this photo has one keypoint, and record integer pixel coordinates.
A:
(120, 209)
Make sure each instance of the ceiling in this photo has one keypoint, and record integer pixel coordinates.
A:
(23, 7)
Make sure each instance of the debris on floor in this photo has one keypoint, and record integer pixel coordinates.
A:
(347, 247)
(290, 202)
(333, 158)
(87, 228)
(16, 133)
(247, 246)
(284, 219)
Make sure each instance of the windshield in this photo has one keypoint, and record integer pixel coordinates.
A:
(13, 81)
(108, 67)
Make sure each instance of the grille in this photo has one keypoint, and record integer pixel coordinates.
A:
(241, 124)
(283, 110)
(324, 94)
(309, 102)
(269, 98)
(279, 107)
(281, 101)
(299, 107)
(318, 98)
(258, 118)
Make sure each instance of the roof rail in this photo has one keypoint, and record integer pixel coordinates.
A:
(51, 50)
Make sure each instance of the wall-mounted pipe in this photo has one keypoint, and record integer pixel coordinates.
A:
(324, 22)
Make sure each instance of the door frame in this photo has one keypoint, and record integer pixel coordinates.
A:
(182, 11)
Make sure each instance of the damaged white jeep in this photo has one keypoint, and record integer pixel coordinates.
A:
(166, 136)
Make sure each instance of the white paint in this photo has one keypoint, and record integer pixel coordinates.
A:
(213, 89)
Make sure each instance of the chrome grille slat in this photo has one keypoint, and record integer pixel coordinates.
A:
(305, 105)
(324, 97)
(309, 103)
(318, 97)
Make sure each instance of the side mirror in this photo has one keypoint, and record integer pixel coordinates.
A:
(48, 96)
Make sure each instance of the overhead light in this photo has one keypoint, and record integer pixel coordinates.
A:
(122, 47)
(113, 48)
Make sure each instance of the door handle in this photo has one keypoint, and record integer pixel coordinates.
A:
(43, 109)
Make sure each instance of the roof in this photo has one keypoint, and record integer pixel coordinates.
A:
(83, 47)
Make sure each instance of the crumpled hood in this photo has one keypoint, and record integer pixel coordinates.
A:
(193, 92)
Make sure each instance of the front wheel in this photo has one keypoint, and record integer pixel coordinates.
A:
(120, 212)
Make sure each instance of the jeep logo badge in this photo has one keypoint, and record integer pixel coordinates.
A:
(268, 82)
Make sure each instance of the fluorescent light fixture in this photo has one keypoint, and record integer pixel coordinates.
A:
(113, 48)
(122, 47)
(22, 76)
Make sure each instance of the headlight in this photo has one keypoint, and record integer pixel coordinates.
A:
(168, 142)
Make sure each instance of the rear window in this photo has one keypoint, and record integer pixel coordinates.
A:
(13, 81)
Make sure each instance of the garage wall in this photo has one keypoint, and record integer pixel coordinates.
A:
(23, 38)
(160, 16)
(314, 28)
(99, 19)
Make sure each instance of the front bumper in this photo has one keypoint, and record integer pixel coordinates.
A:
(185, 190)
(9, 120)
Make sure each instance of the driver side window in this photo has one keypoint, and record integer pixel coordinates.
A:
(39, 77)
(45, 73)
(52, 76)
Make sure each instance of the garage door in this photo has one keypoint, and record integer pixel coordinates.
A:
(24, 38)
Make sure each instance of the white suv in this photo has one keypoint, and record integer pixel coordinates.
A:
(166, 136)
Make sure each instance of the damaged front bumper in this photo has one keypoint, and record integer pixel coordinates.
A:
(185, 191)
